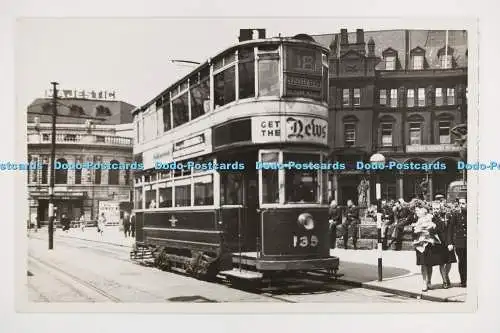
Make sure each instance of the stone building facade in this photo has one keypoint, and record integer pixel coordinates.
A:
(108, 140)
(398, 93)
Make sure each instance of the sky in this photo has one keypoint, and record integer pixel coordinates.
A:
(133, 56)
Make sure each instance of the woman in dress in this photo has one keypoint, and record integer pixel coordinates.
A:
(441, 219)
(425, 241)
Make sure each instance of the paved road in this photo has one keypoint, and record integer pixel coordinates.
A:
(83, 271)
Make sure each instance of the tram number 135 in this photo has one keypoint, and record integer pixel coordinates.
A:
(305, 241)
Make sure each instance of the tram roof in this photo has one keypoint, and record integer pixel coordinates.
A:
(207, 62)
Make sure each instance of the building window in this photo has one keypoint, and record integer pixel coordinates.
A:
(97, 176)
(410, 98)
(114, 174)
(394, 98)
(444, 132)
(421, 96)
(78, 172)
(61, 173)
(269, 83)
(100, 138)
(418, 62)
(386, 131)
(415, 134)
(45, 173)
(349, 134)
(102, 111)
(390, 63)
(383, 97)
(246, 73)
(45, 137)
(450, 96)
(439, 96)
(346, 97)
(357, 97)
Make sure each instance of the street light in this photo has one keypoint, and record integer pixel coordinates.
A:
(378, 158)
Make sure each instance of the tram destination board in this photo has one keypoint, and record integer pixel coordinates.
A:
(303, 72)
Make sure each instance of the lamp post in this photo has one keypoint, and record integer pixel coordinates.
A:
(378, 159)
(52, 169)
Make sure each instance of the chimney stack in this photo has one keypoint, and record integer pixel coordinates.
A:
(343, 37)
(360, 36)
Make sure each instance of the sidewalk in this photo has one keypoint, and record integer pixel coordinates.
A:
(110, 235)
(400, 274)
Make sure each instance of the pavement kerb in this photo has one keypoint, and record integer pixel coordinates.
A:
(404, 293)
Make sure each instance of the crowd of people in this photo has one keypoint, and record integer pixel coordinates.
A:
(438, 229)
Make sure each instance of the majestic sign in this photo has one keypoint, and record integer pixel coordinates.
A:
(194, 145)
(289, 129)
(80, 93)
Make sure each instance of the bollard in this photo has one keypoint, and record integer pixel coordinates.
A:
(379, 245)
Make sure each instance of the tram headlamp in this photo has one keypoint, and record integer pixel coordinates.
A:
(306, 220)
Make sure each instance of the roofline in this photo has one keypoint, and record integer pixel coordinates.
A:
(207, 62)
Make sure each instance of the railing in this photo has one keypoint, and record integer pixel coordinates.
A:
(80, 139)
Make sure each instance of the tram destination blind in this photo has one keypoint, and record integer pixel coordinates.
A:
(303, 72)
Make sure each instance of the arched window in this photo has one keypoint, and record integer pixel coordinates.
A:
(61, 173)
(390, 59)
(113, 174)
(417, 58)
(445, 56)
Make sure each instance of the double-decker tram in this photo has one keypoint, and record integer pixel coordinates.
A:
(235, 158)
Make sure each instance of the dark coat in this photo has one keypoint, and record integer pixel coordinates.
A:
(457, 233)
(352, 214)
(335, 214)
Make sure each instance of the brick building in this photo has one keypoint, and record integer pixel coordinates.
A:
(398, 93)
(79, 140)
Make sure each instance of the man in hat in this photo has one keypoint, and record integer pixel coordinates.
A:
(387, 221)
(352, 221)
(402, 215)
(457, 238)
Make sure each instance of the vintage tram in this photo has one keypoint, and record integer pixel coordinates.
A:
(233, 155)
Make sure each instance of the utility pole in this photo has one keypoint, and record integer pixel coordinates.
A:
(52, 169)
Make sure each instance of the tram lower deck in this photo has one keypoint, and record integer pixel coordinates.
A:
(264, 221)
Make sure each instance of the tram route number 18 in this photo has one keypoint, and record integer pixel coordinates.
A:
(305, 241)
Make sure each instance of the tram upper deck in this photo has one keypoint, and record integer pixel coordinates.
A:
(270, 90)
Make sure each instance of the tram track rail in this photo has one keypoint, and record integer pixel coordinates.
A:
(75, 279)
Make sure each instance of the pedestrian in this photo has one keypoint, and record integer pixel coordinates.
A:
(441, 219)
(65, 222)
(126, 224)
(132, 224)
(403, 217)
(82, 222)
(458, 239)
(334, 219)
(100, 223)
(387, 222)
(351, 222)
(425, 241)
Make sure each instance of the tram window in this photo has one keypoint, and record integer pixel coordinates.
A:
(165, 199)
(200, 94)
(166, 116)
(325, 84)
(269, 77)
(224, 87)
(203, 190)
(231, 188)
(138, 198)
(180, 110)
(270, 180)
(246, 72)
(301, 185)
(151, 199)
(182, 195)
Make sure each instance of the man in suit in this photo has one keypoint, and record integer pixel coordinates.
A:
(387, 221)
(457, 239)
(334, 218)
(352, 221)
